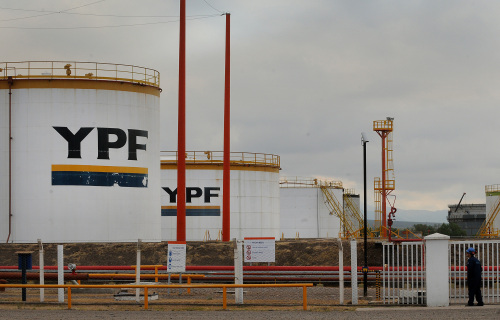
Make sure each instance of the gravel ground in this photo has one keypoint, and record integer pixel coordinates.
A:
(208, 298)
(260, 303)
(386, 313)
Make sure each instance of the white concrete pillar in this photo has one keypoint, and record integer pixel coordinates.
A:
(437, 270)
(238, 270)
(354, 271)
(60, 272)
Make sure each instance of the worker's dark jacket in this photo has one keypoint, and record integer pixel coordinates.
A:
(474, 270)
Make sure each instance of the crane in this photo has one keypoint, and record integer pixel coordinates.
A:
(459, 202)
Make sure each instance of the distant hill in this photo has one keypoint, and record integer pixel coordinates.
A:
(418, 216)
(407, 224)
(422, 216)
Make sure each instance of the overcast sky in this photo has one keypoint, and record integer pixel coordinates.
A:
(307, 77)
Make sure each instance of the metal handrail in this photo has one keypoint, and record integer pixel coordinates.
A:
(217, 157)
(79, 70)
(297, 182)
(154, 286)
(492, 188)
(382, 125)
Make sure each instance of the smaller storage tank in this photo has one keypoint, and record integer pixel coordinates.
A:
(310, 208)
(254, 200)
(493, 208)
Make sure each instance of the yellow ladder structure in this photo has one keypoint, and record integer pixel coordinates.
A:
(352, 209)
(378, 203)
(337, 209)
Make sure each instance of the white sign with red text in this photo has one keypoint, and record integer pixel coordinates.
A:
(259, 249)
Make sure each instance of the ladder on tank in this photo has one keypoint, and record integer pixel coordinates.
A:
(487, 230)
(352, 210)
(336, 209)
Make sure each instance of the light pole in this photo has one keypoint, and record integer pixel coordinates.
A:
(365, 227)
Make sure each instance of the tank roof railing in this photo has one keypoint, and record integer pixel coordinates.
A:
(217, 157)
(297, 182)
(492, 188)
(79, 70)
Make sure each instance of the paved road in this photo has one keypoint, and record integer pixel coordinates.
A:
(371, 313)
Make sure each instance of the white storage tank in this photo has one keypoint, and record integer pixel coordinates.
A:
(254, 200)
(305, 210)
(492, 199)
(84, 152)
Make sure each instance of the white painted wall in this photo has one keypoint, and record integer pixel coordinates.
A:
(57, 213)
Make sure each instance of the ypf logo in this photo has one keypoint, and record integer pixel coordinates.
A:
(107, 138)
(98, 175)
(194, 192)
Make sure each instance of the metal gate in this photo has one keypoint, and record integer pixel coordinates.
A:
(488, 252)
(403, 273)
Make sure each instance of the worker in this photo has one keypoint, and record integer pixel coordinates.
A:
(474, 270)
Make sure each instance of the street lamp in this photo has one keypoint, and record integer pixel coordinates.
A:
(365, 227)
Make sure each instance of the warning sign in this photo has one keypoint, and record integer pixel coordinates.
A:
(259, 249)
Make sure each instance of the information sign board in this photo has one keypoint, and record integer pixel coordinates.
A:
(176, 256)
(259, 249)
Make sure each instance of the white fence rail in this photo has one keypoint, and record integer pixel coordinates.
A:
(403, 273)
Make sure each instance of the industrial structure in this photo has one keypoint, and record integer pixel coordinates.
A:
(469, 217)
(79, 152)
(255, 195)
(385, 185)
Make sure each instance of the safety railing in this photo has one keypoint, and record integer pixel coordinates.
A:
(492, 188)
(79, 70)
(217, 157)
(389, 184)
(382, 125)
(297, 182)
(146, 288)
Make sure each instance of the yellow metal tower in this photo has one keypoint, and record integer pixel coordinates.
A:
(383, 187)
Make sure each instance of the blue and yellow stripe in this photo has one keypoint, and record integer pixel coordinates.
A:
(102, 176)
(192, 211)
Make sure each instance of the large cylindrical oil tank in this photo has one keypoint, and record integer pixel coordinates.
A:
(254, 203)
(79, 152)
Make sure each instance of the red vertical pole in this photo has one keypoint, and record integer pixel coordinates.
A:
(226, 205)
(181, 142)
